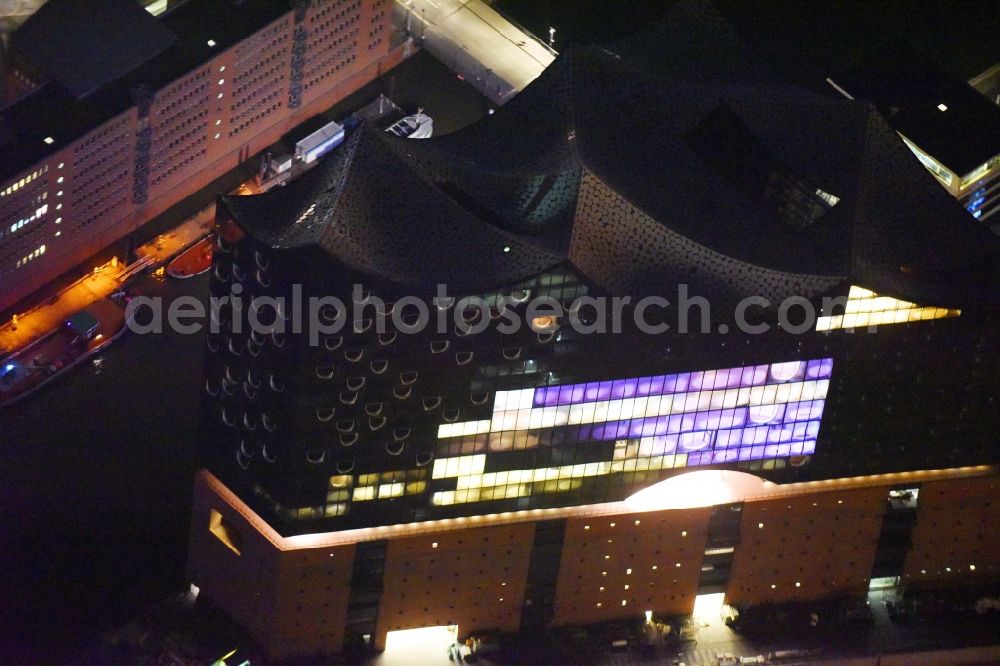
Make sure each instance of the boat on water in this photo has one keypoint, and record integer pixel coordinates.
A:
(417, 126)
(193, 261)
(84, 334)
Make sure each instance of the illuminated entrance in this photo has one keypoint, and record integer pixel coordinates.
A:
(710, 615)
(708, 608)
(426, 645)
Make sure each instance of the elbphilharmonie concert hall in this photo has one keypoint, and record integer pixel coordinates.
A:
(356, 479)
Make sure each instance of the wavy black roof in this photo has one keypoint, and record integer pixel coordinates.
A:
(670, 156)
(369, 206)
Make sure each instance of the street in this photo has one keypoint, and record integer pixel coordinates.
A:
(491, 53)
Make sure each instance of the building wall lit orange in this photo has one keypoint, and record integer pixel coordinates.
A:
(809, 541)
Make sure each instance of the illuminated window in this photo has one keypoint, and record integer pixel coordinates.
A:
(719, 551)
(904, 498)
(866, 308)
(977, 174)
(665, 422)
(387, 490)
(157, 7)
(364, 493)
(544, 324)
(224, 532)
(932, 165)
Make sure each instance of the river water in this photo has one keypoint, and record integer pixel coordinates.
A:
(95, 482)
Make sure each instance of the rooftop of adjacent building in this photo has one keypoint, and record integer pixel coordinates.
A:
(906, 57)
(949, 44)
(75, 42)
(945, 117)
(100, 43)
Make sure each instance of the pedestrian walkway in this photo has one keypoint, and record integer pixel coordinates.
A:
(496, 56)
(103, 281)
(168, 244)
(33, 324)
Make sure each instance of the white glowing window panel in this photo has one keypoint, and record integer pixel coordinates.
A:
(388, 490)
(364, 493)
(866, 308)
(729, 415)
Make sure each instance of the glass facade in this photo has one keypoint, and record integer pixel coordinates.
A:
(656, 423)
(637, 429)
(866, 308)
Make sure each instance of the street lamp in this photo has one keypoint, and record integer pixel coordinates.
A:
(552, 36)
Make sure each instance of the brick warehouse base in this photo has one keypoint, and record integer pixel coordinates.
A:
(800, 541)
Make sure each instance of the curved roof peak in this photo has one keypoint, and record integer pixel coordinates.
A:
(723, 177)
(362, 205)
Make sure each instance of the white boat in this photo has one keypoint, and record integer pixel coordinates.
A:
(417, 126)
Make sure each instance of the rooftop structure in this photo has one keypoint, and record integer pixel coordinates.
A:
(180, 44)
(952, 128)
(98, 43)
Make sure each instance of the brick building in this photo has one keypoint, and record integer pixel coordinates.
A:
(131, 113)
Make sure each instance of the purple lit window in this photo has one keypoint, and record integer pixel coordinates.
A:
(707, 417)
(746, 377)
